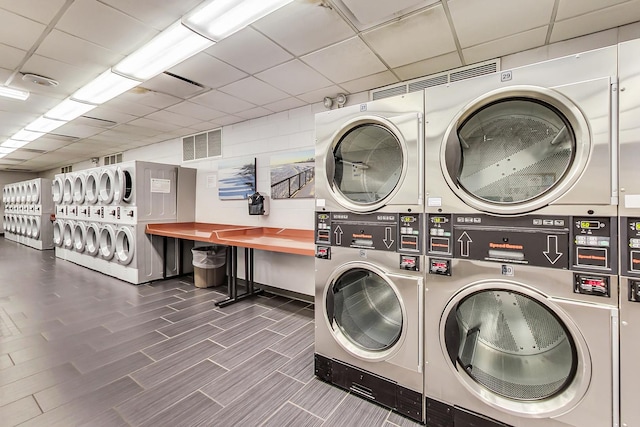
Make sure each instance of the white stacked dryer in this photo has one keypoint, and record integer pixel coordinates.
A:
(629, 208)
(521, 306)
(369, 259)
(106, 213)
(28, 208)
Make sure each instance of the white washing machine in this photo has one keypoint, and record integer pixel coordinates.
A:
(106, 186)
(67, 188)
(522, 225)
(107, 241)
(58, 226)
(92, 186)
(629, 232)
(79, 236)
(68, 227)
(92, 239)
(78, 188)
(369, 157)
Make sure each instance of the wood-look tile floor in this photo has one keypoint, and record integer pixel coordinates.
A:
(80, 348)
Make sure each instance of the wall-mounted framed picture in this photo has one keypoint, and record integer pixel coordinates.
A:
(236, 178)
(292, 175)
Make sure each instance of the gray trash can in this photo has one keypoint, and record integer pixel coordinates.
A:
(209, 265)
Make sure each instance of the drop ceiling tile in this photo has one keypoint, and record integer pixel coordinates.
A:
(571, 8)
(582, 44)
(149, 98)
(37, 10)
(429, 66)
(105, 113)
(629, 32)
(173, 118)
(226, 120)
(370, 82)
(22, 154)
(613, 16)
(285, 104)
(302, 27)
(157, 13)
(191, 109)
(76, 51)
(130, 132)
(222, 102)
(479, 22)
(128, 107)
(170, 85)
(253, 90)
(344, 61)
(6, 161)
(36, 105)
(208, 71)
(48, 144)
(418, 37)
(78, 131)
(365, 14)
(254, 113)
(319, 94)
(78, 148)
(10, 57)
(294, 77)
(157, 126)
(97, 23)
(249, 51)
(69, 77)
(17, 31)
(201, 127)
(505, 45)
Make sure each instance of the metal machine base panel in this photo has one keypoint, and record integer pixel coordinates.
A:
(370, 386)
(442, 415)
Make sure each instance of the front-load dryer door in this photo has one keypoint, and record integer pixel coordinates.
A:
(79, 237)
(67, 189)
(79, 188)
(107, 242)
(58, 225)
(521, 148)
(106, 187)
(123, 186)
(367, 316)
(35, 192)
(125, 245)
(91, 188)
(516, 350)
(57, 189)
(67, 234)
(35, 227)
(92, 239)
(373, 162)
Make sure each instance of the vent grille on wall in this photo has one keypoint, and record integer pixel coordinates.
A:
(66, 169)
(450, 76)
(113, 159)
(202, 145)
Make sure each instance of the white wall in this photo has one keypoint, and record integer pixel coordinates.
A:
(292, 131)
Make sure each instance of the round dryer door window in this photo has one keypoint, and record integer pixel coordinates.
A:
(368, 164)
(364, 311)
(511, 345)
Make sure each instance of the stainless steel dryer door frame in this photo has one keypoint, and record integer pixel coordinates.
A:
(407, 350)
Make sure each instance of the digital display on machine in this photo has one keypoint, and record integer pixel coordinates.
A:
(438, 219)
(590, 225)
(638, 226)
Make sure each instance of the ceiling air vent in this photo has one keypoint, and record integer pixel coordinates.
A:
(443, 78)
(202, 145)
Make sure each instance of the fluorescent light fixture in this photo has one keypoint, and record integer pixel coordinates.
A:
(27, 135)
(106, 86)
(13, 144)
(10, 92)
(170, 47)
(68, 110)
(44, 124)
(6, 150)
(217, 19)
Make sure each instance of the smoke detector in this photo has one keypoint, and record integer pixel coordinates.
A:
(39, 80)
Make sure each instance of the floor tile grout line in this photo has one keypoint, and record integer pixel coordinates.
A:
(306, 410)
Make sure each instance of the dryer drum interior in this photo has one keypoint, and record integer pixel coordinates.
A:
(511, 151)
(368, 163)
(510, 344)
(366, 310)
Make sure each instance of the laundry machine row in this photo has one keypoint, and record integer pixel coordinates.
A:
(521, 300)
(28, 206)
(101, 216)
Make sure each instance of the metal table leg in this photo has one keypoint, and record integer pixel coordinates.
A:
(232, 277)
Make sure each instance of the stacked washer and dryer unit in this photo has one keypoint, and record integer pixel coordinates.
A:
(369, 277)
(102, 213)
(521, 307)
(28, 207)
(629, 209)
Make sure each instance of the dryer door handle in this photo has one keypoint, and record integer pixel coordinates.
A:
(330, 304)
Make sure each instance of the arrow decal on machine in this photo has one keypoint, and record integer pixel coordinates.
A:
(464, 240)
(388, 241)
(338, 233)
(552, 253)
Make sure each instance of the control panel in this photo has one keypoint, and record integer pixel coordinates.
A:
(589, 284)
(630, 246)
(561, 242)
(400, 233)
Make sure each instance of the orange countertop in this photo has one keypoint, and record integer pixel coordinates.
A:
(285, 240)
